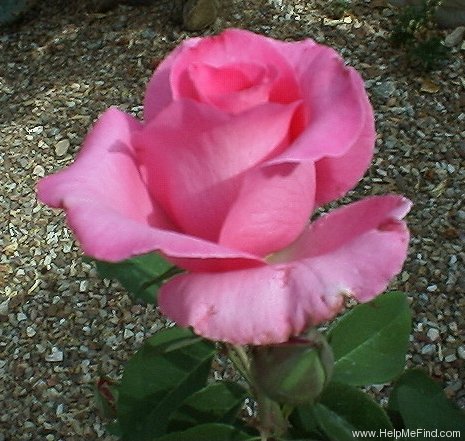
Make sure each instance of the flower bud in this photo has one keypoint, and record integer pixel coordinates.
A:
(294, 372)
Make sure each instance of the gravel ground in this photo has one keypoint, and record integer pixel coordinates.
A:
(60, 324)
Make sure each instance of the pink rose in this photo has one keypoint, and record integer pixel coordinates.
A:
(243, 138)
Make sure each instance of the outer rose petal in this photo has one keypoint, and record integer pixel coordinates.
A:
(272, 208)
(195, 173)
(336, 176)
(240, 307)
(105, 170)
(341, 122)
(354, 250)
(158, 94)
(110, 211)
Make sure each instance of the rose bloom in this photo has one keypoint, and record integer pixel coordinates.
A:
(243, 138)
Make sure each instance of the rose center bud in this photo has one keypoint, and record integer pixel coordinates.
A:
(231, 88)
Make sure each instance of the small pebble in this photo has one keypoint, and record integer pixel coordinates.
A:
(59, 410)
(40, 348)
(4, 307)
(38, 130)
(21, 316)
(433, 334)
(384, 89)
(455, 37)
(38, 171)
(55, 356)
(30, 331)
(461, 352)
(127, 333)
(61, 147)
(428, 349)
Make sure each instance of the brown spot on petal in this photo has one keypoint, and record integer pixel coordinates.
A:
(285, 275)
(390, 225)
(347, 293)
(211, 311)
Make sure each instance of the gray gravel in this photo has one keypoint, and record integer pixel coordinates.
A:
(60, 324)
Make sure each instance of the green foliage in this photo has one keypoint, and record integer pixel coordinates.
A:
(341, 410)
(209, 432)
(370, 341)
(141, 275)
(215, 403)
(418, 402)
(169, 367)
(165, 394)
(416, 32)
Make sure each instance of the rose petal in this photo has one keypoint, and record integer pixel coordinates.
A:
(233, 47)
(110, 236)
(105, 170)
(271, 209)
(340, 124)
(353, 251)
(195, 173)
(241, 307)
(159, 94)
(336, 176)
(171, 80)
(334, 230)
(110, 211)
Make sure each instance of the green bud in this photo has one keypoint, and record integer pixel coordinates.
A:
(294, 372)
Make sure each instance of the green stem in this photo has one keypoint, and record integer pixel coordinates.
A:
(242, 354)
(170, 272)
(272, 422)
(287, 410)
(238, 356)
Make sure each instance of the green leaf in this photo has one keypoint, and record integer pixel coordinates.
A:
(304, 423)
(106, 396)
(215, 403)
(136, 274)
(335, 427)
(370, 341)
(421, 404)
(169, 367)
(209, 432)
(114, 429)
(343, 409)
